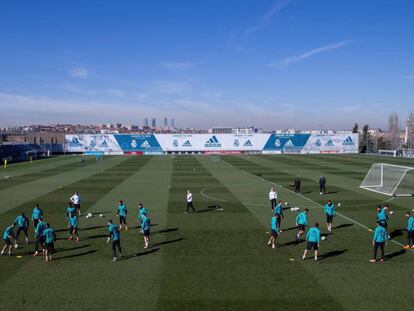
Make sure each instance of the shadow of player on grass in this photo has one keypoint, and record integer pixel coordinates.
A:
(332, 254)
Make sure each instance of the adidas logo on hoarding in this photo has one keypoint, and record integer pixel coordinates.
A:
(212, 143)
(104, 144)
(289, 144)
(187, 144)
(248, 144)
(75, 142)
(348, 142)
(329, 143)
(145, 144)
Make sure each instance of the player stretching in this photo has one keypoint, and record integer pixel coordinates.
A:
(145, 230)
(278, 211)
(22, 225)
(410, 231)
(302, 222)
(76, 201)
(380, 237)
(190, 201)
(8, 235)
(274, 232)
(73, 227)
(37, 214)
(115, 235)
(314, 239)
(141, 212)
(122, 213)
(41, 226)
(382, 216)
(330, 214)
(49, 237)
(272, 198)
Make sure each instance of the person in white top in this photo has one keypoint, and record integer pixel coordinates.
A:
(272, 198)
(190, 202)
(75, 199)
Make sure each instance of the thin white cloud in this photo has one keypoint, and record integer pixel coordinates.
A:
(265, 20)
(170, 87)
(310, 53)
(177, 65)
(408, 77)
(78, 72)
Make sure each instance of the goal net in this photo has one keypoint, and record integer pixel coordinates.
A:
(391, 180)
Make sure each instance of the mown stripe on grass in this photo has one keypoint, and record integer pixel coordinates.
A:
(43, 172)
(17, 195)
(218, 259)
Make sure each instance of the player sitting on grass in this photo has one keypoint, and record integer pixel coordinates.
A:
(314, 239)
(49, 237)
(278, 211)
(122, 213)
(41, 226)
(22, 225)
(8, 235)
(70, 211)
(142, 211)
(302, 222)
(145, 230)
(73, 227)
(115, 235)
(379, 240)
(274, 231)
(382, 216)
(330, 214)
(37, 214)
(410, 231)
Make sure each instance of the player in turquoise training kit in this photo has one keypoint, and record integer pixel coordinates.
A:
(41, 226)
(379, 240)
(145, 230)
(330, 214)
(49, 237)
(8, 236)
(70, 211)
(382, 216)
(278, 211)
(37, 214)
(274, 227)
(410, 231)
(73, 227)
(302, 222)
(115, 235)
(142, 211)
(314, 239)
(122, 213)
(22, 225)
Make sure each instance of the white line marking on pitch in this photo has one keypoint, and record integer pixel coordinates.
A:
(310, 200)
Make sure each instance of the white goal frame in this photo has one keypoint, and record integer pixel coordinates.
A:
(376, 187)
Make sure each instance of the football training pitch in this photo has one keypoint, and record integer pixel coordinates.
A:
(209, 260)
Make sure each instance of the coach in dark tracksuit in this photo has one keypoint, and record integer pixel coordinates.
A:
(322, 185)
(297, 184)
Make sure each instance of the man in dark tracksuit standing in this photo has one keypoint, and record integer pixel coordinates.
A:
(297, 185)
(322, 185)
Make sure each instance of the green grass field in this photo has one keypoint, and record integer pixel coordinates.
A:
(210, 260)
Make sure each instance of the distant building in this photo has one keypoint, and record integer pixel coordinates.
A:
(154, 123)
(220, 130)
(165, 122)
(172, 123)
(146, 122)
(243, 131)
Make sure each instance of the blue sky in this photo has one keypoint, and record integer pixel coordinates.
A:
(273, 64)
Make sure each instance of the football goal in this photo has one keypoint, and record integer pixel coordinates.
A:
(389, 179)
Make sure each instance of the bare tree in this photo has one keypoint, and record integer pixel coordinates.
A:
(394, 131)
(409, 131)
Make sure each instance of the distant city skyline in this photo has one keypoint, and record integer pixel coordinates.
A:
(276, 64)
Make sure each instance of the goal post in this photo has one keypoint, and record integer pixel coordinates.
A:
(390, 179)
